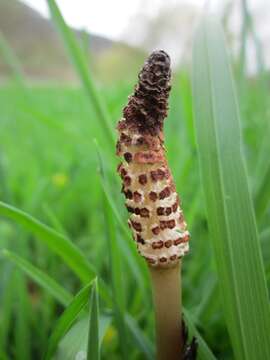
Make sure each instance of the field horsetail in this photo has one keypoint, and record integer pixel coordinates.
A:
(156, 218)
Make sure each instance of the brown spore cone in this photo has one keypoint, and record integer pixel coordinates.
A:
(156, 217)
(147, 107)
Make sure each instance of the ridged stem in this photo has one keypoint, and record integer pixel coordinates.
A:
(166, 284)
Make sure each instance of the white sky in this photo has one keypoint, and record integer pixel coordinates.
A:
(106, 17)
(111, 18)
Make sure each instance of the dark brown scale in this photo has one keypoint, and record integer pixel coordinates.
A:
(167, 173)
(163, 225)
(157, 244)
(149, 260)
(173, 257)
(140, 239)
(154, 176)
(168, 211)
(140, 141)
(148, 157)
(164, 193)
(144, 213)
(153, 196)
(160, 174)
(118, 148)
(163, 259)
(178, 241)
(130, 209)
(127, 180)
(123, 172)
(175, 206)
(137, 196)
(128, 194)
(142, 179)
(168, 243)
(137, 211)
(122, 125)
(137, 226)
(171, 224)
(128, 157)
(156, 230)
(125, 139)
(160, 211)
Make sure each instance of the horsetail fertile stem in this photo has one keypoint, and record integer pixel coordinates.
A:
(156, 220)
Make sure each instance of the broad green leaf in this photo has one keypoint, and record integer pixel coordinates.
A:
(67, 319)
(93, 331)
(79, 60)
(230, 212)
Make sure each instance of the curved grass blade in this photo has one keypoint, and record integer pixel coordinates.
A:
(63, 297)
(40, 277)
(229, 208)
(138, 338)
(116, 272)
(55, 241)
(204, 352)
(67, 319)
(93, 332)
(79, 60)
(11, 60)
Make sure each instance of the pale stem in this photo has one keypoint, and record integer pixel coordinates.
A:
(166, 285)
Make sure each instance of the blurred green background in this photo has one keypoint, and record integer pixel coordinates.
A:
(50, 168)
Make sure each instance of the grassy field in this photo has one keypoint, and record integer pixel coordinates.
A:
(58, 167)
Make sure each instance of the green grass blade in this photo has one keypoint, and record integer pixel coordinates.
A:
(22, 324)
(79, 60)
(117, 281)
(67, 319)
(138, 338)
(60, 245)
(6, 303)
(72, 345)
(93, 333)
(262, 193)
(204, 352)
(12, 61)
(41, 278)
(228, 203)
